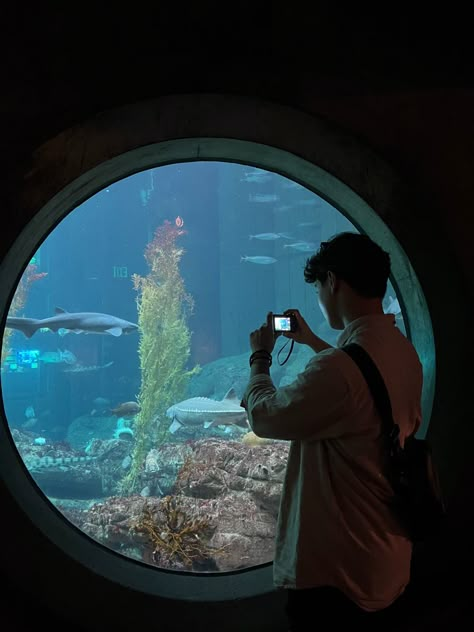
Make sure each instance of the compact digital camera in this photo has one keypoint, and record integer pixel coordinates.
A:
(284, 322)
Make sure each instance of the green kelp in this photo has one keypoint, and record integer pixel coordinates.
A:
(164, 346)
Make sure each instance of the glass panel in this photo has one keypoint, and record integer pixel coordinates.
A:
(136, 434)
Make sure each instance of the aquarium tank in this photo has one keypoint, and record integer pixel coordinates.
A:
(125, 357)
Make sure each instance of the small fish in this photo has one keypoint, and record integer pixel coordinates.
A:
(256, 176)
(81, 368)
(266, 236)
(101, 407)
(263, 198)
(126, 409)
(58, 357)
(101, 402)
(31, 418)
(393, 306)
(144, 197)
(258, 179)
(30, 412)
(259, 259)
(270, 236)
(301, 246)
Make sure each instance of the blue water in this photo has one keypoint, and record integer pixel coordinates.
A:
(248, 233)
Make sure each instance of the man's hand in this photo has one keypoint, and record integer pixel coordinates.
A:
(263, 337)
(304, 334)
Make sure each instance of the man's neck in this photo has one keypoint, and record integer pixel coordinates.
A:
(366, 307)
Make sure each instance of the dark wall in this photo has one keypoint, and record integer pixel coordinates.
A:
(403, 88)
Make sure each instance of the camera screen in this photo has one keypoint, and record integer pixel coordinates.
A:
(282, 323)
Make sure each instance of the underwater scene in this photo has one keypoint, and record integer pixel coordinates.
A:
(125, 356)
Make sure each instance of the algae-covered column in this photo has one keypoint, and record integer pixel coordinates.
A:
(164, 345)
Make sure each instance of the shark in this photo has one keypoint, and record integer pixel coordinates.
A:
(89, 368)
(209, 412)
(76, 322)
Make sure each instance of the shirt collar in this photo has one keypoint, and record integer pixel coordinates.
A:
(364, 323)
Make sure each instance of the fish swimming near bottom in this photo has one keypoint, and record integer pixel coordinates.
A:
(31, 418)
(58, 357)
(101, 407)
(88, 368)
(208, 412)
(126, 409)
(393, 306)
(77, 322)
(48, 461)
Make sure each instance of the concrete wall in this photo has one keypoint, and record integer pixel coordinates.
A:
(409, 104)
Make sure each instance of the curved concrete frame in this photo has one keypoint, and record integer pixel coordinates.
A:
(75, 165)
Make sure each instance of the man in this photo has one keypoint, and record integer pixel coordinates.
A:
(339, 547)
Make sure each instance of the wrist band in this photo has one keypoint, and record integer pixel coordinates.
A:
(261, 354)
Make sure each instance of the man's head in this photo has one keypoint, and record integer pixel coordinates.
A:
(354, 264)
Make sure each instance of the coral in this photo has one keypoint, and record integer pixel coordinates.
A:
(164, 347)
(189, 470)
(176, 538)
(29, 277)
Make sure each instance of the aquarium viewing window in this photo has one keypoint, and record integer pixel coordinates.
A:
(137, 436)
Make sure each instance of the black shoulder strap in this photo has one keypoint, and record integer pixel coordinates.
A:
(376, 385)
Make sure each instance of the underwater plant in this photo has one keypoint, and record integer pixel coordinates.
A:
(164, 345)
(176, 537)
(30, 276)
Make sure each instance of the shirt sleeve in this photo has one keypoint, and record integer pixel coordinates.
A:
(315, 406)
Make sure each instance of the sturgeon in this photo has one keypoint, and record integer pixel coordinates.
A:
(209, 412)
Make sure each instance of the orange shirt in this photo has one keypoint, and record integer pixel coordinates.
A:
(335, 527)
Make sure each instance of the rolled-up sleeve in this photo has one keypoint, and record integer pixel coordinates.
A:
(314, 406)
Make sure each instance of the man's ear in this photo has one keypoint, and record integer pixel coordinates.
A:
(333, 281)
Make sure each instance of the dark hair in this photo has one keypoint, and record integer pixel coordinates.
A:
(355, 259)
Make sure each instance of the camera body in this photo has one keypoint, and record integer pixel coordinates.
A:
(283, 323)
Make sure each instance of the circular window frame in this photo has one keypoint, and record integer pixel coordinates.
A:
(81, 179)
